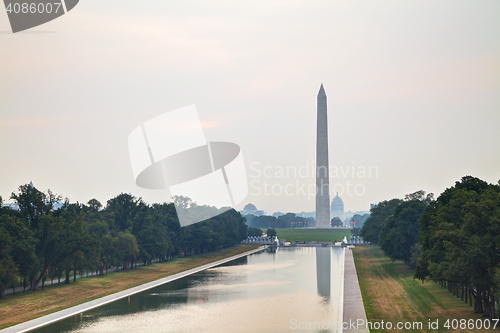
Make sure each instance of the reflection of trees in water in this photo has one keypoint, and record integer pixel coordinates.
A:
(272, 249)
(323, 267)
(236, 262)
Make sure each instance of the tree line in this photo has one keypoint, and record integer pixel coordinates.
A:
(356, 221)
(282, 221)
(259, 232)
(39, 242)
(453, 240)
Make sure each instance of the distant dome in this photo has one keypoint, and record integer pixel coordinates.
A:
(337, 205)
(250, 207)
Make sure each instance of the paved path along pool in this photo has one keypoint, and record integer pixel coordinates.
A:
(353, 302)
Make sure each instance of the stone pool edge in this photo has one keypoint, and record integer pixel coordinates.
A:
(354, 308)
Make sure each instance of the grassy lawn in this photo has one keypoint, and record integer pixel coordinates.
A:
(390, 294)
(308, 235)
(24, 307)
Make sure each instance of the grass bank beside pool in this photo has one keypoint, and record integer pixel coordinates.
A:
(31, 305)
(391, 294)
(309, 235)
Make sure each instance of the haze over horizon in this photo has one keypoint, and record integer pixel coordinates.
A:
(412, 90)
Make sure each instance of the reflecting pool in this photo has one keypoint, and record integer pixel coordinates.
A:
(271, 291)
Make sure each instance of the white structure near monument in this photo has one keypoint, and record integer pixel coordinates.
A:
(266, 240)
(337, 208)
(356, 240)
(250, 209)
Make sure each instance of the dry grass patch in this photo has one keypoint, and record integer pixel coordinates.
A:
(391, 294)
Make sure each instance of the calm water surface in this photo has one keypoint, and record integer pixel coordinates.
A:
(263, 292)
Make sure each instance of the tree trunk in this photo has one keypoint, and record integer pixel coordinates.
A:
(13, 290)
(74, 275)
(478, 307)
(492, 303)
(67, 277)
(101, 271)
(2, 291)
(34, 283)
(42, 277)
(486, 300)
(470, 298)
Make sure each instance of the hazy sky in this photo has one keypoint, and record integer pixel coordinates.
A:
(413, 92)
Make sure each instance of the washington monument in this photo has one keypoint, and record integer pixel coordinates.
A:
(322, 170)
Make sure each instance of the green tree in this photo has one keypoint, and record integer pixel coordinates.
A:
(356, 231)
(460, 241)
(373, 225)
(359, 220)
(8, 269)
(107, 253)
(400, 230)
(34, 203)
(123, 210)
(22, 244)
(94, 205)
(255, 231)
(336, 222)
(271, 232)
(152, 238)
(126, 249)
(263, 222)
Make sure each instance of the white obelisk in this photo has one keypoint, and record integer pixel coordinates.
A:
(322, 170)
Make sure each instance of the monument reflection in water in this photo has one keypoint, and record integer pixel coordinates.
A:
(264, 292)
(323, 271)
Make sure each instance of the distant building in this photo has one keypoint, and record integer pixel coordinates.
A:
(251, 209)
(11, 206)
(337, 208)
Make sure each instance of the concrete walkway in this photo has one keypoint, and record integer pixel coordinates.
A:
(354, 310)
(56, 316)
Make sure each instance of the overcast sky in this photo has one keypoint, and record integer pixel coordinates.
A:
(413, 93)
